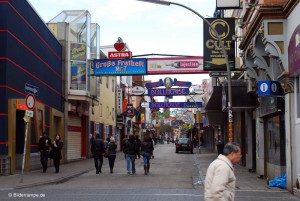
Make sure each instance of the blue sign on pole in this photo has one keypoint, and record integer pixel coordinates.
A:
(269, 88)
(120, 66)
(31, 89)
(175, 104)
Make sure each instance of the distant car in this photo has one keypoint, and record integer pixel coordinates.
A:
(184, 144)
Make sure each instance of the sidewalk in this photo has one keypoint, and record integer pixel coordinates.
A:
(37, 177)
(246, 180)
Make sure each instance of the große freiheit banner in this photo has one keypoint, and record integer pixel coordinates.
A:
(120, 66)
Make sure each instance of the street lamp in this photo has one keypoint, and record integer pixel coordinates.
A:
(230, 114)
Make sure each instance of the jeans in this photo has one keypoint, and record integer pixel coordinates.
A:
(147, 157)
(44, 159)
(130, 158)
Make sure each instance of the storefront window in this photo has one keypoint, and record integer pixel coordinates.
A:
(79, 53)
(297, 102)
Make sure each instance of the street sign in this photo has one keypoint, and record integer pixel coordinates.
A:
(145, 104)
(269, 88)
(30, 101)
(218, 74)
(29, 113)
(31, 89)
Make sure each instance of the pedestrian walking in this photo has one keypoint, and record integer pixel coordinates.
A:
(147, 150)
(129, 150)
(44, 145)
(220, 179)
(98, 149)
(138, 146)
(55, 152)
(112, 153)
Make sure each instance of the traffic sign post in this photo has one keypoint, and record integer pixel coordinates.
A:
(31, 89)
(30, 101)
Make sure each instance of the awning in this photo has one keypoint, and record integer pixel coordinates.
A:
(215, 101)
(241, 99)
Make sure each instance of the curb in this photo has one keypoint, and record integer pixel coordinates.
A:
(55, 181)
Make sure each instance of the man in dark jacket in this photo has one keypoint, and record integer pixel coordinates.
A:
(129, 150)
(44, 144)
(98, 149)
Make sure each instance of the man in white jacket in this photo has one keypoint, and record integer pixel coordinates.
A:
(220, 179)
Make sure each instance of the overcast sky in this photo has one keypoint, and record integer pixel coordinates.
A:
(146, 28)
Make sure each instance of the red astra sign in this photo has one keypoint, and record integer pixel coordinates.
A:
(120, 55)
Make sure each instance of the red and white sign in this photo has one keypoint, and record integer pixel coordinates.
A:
(30, 101)
(120, 55)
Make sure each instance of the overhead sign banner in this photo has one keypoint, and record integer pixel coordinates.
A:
(172, 104)
(120, 66)
(228, 4)
(168, 92)
(175, 65)
(155, 84)
(214, 59)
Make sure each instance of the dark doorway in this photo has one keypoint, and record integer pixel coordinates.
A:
(20, 138)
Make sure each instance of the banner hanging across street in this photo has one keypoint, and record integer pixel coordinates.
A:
(175, 65)
(168, 92)
(120, 66)
(214, 59)
(171, 104)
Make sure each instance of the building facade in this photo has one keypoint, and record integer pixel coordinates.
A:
(31, 63)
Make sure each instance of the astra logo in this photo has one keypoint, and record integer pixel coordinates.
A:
(118, 55)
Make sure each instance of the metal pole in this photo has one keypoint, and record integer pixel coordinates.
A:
(25, 145)
(230, 114)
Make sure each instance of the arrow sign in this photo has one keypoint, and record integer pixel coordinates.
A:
(31, 89)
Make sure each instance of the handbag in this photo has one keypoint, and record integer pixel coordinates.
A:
(51, 154)
(105, 153)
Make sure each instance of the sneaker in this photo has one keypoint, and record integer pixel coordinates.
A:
(97, 172)
(128, 173)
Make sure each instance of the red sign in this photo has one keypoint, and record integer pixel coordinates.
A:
(120, 55)
(30, 101)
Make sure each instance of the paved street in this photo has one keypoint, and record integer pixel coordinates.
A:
(172, 177)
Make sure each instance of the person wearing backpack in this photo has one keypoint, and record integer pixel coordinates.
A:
(98, 149)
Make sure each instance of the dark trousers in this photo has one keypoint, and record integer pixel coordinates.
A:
(111, 161)
(98, 159)
(44, 159)
(56, 164)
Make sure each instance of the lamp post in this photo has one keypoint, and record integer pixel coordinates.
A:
(230, 115)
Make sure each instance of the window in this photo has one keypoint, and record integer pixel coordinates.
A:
(113, 85)
(100, 109)
(297, 97)
(113, 114)
(40, 121)
(107, 112)
(107, 81)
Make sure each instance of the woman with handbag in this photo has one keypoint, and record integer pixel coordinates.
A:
(55, 152)
(111, 153)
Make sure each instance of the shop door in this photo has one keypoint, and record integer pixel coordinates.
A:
(74, 137)
(20, 138)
